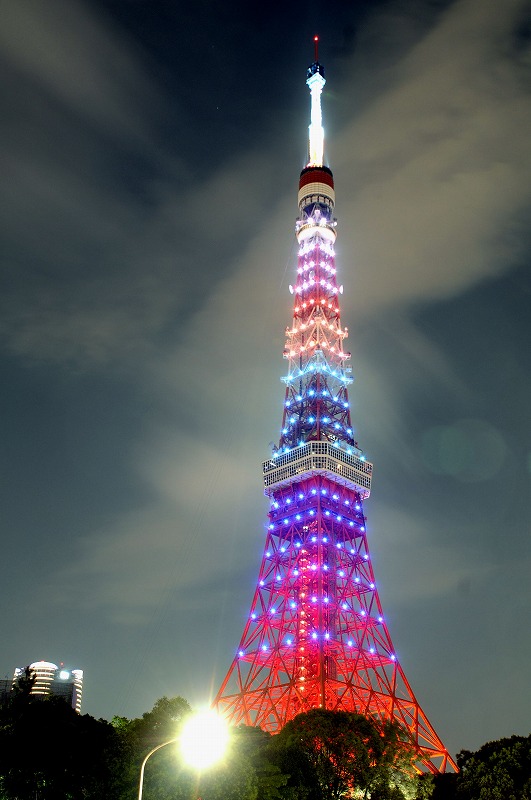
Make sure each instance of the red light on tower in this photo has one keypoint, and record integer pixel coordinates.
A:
(316, 636)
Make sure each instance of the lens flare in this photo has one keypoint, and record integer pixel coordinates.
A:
(204, 739)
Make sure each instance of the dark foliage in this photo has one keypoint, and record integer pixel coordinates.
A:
(499, 770)
(24, 683)
(164, 777)
(245, 774)
(444, 786)
(47, 750)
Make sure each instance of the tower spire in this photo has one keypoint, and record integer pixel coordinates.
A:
(315, 80)
(316, 635)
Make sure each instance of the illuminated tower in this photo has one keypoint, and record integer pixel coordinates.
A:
(316, 634)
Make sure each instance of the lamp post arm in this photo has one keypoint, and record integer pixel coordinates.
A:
(141, 784)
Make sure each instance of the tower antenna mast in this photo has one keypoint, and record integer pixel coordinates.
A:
(315, 80)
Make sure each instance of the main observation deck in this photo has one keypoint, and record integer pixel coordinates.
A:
(318, 458)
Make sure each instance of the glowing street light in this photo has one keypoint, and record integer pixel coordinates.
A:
(203, 741)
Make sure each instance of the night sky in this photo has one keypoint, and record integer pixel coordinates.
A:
(150, 154)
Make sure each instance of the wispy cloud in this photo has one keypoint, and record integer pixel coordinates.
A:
(426, 214)
(435, 171)
(80, 60)
(433, 183)
(179, 542)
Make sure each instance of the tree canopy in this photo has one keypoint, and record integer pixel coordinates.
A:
(348, 753)
(499, 770)
(49, 752)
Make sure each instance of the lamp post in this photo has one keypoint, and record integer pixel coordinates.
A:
(141, 783)
(203, 740)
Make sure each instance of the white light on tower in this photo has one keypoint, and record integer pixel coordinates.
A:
(316, 81)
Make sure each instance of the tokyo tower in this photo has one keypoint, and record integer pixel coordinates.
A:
(316, 635)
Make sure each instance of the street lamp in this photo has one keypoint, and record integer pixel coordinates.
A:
(141, 783)
(203, 741)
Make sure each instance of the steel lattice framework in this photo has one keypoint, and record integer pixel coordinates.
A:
(316, 634)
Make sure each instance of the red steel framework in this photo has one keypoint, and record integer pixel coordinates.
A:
(316, 634)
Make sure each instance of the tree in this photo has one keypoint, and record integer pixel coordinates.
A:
(23, 684)
(162, 722)
(500, 770)
(247, 773)
(293, 760)
(254, 745)
(164, 777)
(349, 752)
(444, 786)
(47, 750)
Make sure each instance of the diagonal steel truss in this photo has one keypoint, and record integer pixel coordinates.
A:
(316, 635)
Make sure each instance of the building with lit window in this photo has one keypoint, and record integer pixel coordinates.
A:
(51, 679)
